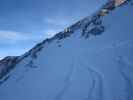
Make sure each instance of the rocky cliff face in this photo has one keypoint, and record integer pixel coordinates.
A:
(90, 60)
(6, 65)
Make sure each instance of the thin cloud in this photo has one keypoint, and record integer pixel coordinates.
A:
(17, 36)
(11, 35)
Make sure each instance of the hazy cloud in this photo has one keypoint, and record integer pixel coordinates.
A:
(17, 36)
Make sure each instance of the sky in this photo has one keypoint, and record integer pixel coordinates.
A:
(24, 23)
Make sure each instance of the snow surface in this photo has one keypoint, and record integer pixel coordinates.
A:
(99, 67)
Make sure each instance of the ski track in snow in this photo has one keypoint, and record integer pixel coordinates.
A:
(67, 82)
(126, 69)
(96, 91)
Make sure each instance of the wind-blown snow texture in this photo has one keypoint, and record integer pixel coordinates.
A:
(91, 60)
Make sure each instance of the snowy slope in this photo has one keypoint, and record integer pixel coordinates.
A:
(91, 60)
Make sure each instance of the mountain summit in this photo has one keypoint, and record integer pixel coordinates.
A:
(90, 60)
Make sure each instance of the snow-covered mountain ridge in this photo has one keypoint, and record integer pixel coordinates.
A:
(91, 60)
(93, 23)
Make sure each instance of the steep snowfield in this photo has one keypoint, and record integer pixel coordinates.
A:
(94, 65)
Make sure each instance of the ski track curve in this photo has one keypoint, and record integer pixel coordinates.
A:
(126, 69)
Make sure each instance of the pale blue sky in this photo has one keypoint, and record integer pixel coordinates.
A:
(23, 23)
